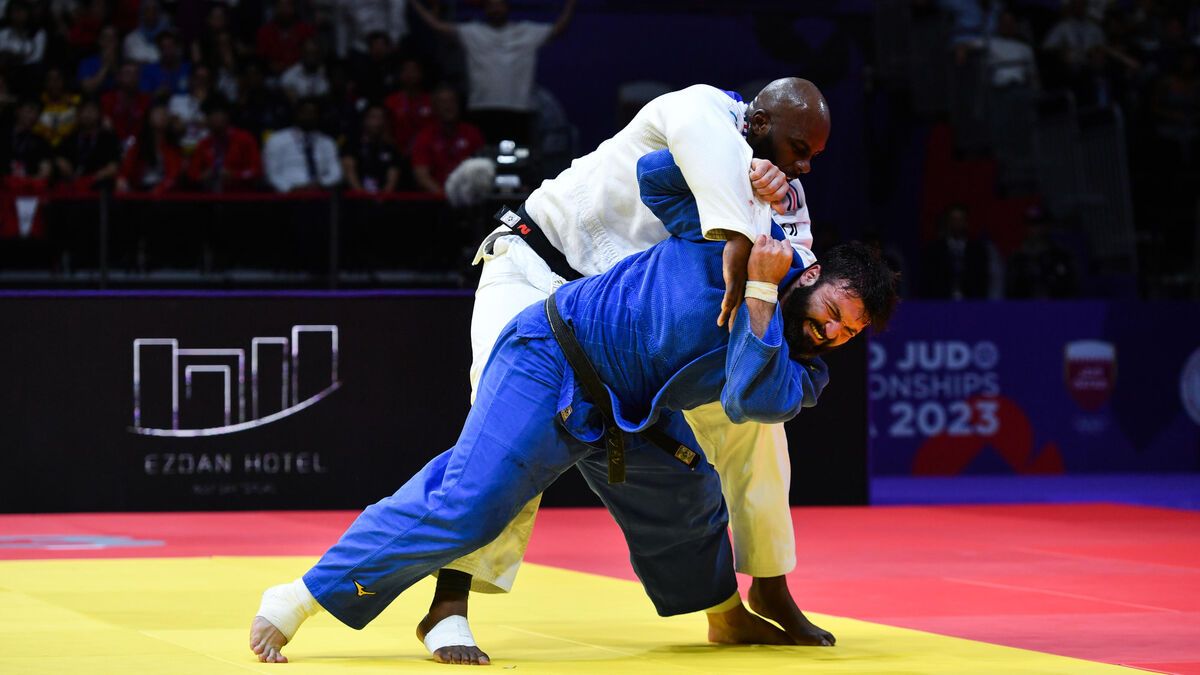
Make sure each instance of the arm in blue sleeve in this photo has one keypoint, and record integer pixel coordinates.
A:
(762, 383)
(665, 192)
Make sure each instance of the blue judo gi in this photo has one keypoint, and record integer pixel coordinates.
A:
(648, 327)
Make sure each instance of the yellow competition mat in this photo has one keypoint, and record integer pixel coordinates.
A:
(192, 615)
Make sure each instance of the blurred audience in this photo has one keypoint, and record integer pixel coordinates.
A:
(1040, 268)
(21, 41)
(227, 158)
(23, 153)
(280, 40)
(58, 108)
(355, 21)
(370, 161)
(441, 146)
(301, 157)
(1010, 59)
(307, 78)
(501, 65)
(187, 110)
(141, 45)
(87, 158)
(153, 163)
(376, 74)
(125, 107)
(410, 108)
(170, 73)
(955, 266)
(98, 72)
(259, 108)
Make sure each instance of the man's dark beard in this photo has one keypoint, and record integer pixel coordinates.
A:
(795, 318)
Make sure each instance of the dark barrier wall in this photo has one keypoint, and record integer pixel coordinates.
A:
(1037, 387)
(231, 401)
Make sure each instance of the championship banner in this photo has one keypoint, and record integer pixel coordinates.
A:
(1036, 387)
(133, 401)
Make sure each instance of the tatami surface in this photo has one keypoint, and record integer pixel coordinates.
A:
(1054, 589)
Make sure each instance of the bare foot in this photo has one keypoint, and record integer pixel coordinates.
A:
(266, 641)
(740, 627)
(444, 605)
(770, 597)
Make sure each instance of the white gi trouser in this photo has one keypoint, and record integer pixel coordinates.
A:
(751, 458)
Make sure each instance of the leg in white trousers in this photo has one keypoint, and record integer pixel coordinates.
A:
(751, 458)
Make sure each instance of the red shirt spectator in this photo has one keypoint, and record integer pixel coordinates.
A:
(410, 113)
(411, 108)
(156, 174)
(125, 107)
(440, 147)
(280, 40)
(153, 162)
(226, 161)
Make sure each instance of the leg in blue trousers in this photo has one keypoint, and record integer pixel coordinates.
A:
(674, 521)
(510, 450)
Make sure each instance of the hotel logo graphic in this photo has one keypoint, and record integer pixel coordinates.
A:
(234, 380)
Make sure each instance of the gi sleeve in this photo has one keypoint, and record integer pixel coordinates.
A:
(665, 192)
(762, 383)
(700, 127)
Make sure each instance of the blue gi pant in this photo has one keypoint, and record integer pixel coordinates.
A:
(511, 449)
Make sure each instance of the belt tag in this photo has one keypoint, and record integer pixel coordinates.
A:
(510, 219)
(685, 455)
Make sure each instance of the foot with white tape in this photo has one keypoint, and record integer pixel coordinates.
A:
(449, 640)
(280, 614)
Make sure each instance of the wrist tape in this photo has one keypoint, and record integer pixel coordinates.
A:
(762, 290)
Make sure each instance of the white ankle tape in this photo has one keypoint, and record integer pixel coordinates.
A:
(452, 631)
(287, 606)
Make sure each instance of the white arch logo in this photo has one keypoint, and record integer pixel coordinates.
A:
(234, 381)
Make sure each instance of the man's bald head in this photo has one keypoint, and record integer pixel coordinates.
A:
(788, 124)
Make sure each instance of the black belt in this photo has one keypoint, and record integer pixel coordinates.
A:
(524, 227)
(614, 440)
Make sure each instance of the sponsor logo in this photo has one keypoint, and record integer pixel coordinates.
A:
(362, 591)
(1090, 369)
(232, 375)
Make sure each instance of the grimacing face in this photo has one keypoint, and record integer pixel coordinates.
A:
(833, 315)
(790, 140)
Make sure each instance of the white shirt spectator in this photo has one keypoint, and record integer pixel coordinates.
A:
(292, 158)
(356, 19)
(186, 108)
(1077, 36)
(501, 63)
(1010, 61)
(300, 83)
(28, 49)
(140, 48)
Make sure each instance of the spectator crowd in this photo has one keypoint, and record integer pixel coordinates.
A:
(1137, 58)
(157, 96)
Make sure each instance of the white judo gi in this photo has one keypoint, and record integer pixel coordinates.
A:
(593, 213)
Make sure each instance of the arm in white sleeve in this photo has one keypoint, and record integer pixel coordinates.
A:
(704, 135)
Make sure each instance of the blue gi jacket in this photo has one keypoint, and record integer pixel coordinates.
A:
(649, 327)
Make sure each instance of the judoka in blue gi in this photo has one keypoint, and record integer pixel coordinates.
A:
(646, 327)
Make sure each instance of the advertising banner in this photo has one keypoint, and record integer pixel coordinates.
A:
(182, 401)
(1030, 387)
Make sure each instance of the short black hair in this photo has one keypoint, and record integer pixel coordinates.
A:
(865, 275)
